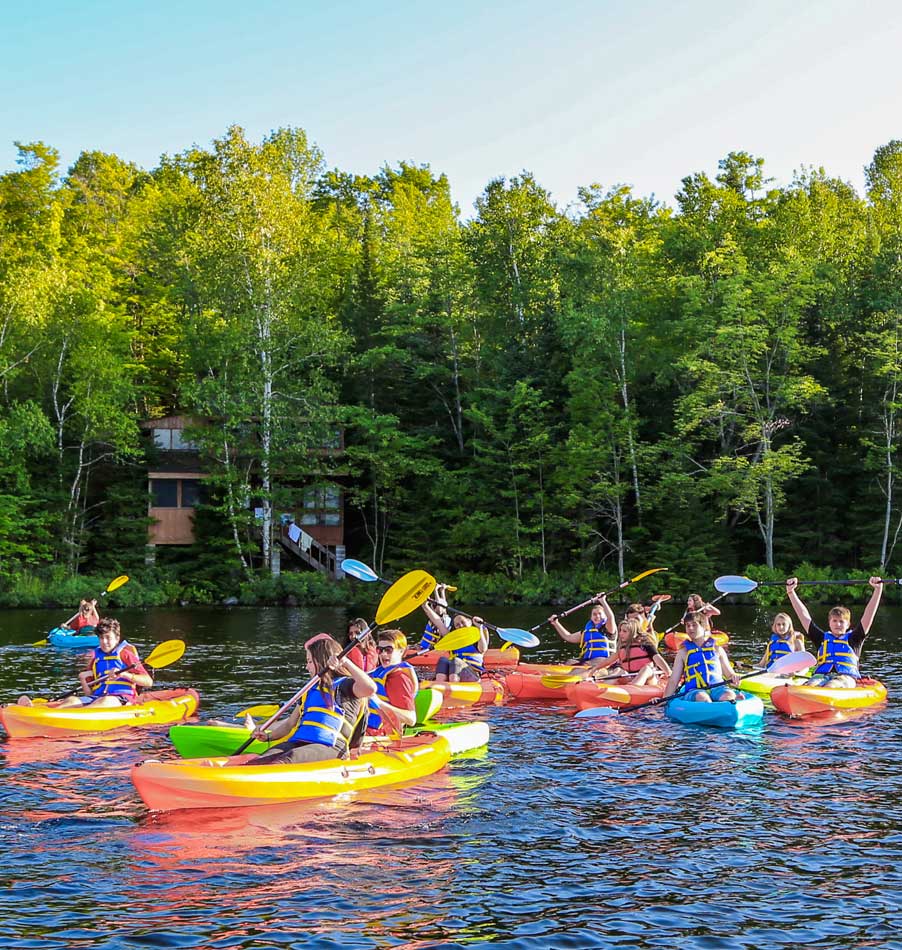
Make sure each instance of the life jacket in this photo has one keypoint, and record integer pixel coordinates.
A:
(776, 647)
(104, 664)
(634, 658)
(837, 656)
(701, 666)
(595, 643)
(379, 677)
(471, 656)
(430, 635)
(323, 722)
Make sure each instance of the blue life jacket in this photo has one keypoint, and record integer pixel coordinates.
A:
(106, 663)
(595, 644)
(837, 656)
(470, 655)
(701, 667)
(430, 635)
(776, 647)
(323, 721)
(379, 676)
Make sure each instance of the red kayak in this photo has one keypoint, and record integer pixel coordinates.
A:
(534, 686)
(589, 694)
(492, 660)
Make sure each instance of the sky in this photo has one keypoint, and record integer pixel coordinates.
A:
(576, 92)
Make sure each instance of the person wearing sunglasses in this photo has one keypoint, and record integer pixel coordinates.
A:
(396, 686)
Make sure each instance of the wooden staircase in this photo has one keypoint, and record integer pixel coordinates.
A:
(311, 552)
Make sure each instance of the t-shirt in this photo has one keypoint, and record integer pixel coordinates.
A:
(856, 637)
(129, 656)
(400, 689)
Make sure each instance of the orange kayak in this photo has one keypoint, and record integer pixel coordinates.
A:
(676, 638)
(805, 700)
(589, 694)
(534, 686)
(225, 783)
(156, 708)
(492, 660)
(487, 690)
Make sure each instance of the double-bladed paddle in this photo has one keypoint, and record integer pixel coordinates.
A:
(402, 598)
(783, 665)
(114, 584)
(738, 584)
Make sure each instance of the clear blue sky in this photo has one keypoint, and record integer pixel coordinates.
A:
(635, 91)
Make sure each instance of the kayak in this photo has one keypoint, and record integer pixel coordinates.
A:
(765, 683)
(68, 639)
(676, 638)
(519, 685)
(164, 706)
(545, 669)
(487, 690)
(747, 711)
(223, 782)
(197, 740)
(427, 702)
(589, 694)
(491, 660)
(805, 700)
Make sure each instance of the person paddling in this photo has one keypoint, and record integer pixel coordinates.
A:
(636, 656)
(115, 673)
(330, 721)
(595, 639)
(465, 664)
(839, 646)
(784, 639)
(396, 686)
(85, 616)
(700, 663)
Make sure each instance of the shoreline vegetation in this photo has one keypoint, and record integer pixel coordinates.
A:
(525, 398)
(152, 588)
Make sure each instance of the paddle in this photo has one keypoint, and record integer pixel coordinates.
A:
(737, 584)
(459, 638)
(597, 597)
(114, 584)
(786, 664)
(163, 654)
(402, 598)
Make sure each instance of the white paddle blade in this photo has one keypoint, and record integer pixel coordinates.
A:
(359, 570)
(596, 712)
(792, 662)
(734, 584)
(522, 638)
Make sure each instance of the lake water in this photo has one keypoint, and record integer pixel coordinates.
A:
(628, 831)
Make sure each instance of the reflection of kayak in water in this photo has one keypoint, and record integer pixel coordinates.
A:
(224, 782)
(676, 638)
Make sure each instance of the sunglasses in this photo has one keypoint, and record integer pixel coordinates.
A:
(385, 647)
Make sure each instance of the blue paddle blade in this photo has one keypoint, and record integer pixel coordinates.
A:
(735, 584)
(359, 570)
(520, 638)
(596, 712)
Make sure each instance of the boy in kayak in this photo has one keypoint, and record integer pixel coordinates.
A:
(839, 646)
(396, 687)
(115, 673)
(784, 639)
(330, 720)
(700, 663)
(596, 638)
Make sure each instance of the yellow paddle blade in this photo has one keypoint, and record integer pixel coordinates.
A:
(654, 570)
(456, 639)
(163, 654)
(404, 596)
(560, 680)
(263, 711)
(40, 643)
(506, 645)
(116, 583)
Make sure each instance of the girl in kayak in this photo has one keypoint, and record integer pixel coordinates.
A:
(114, 675)
(85, 616)
(784, 639)
(697, 605)
(594, 639)
(700, 663)
(636, 655)
(439, 603)
(465, 664)
(396, 686)
(330, 721)
(364, 653)
(839, 646)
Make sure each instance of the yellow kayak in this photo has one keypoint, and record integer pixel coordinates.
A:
(156, 708)
(224, 783)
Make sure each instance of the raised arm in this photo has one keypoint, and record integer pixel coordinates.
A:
(801, 610)
(609, 618)
(435, 618)
(867, 618)
(563, 632)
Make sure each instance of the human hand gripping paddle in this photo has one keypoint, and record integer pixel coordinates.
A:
(521, 638)
(783, 665)
(163, 654)
(597, 597)
(402, 598)
(114, 584)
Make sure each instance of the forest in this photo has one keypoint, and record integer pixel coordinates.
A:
(533, 399)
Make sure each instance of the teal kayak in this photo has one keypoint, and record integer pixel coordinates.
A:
(70, 640)
(724, 714)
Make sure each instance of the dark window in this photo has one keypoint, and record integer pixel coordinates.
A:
(164, 492)
(192, 493)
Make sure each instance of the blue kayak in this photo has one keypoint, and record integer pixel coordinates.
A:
(747, 711)
(70, 640)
